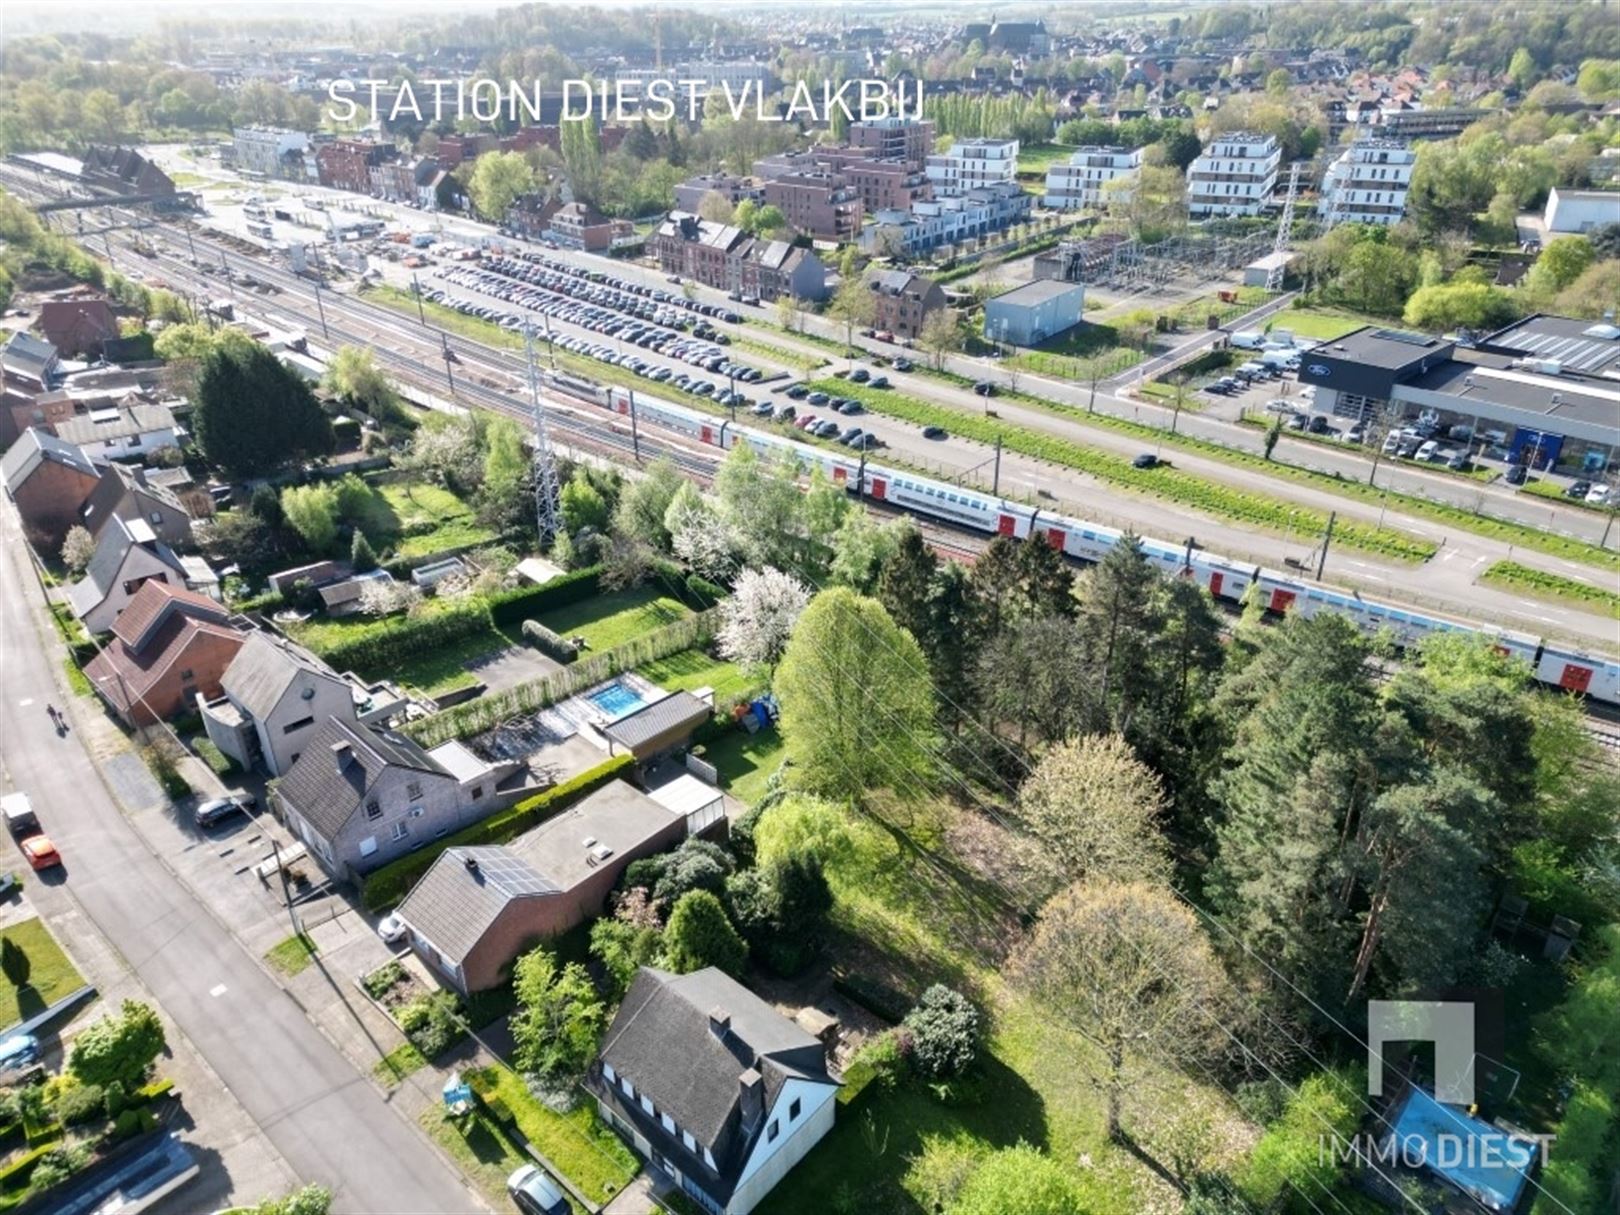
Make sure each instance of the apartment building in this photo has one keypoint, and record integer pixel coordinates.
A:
(972, 163)
(950, 220)
(1235, 175)
(818, 204)
(347, 164)
(905, 139)
(1367, 183)
(1078, 182)
(270, 151)
(690, 193)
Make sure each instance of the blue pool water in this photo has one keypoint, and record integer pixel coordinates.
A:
(616, 699)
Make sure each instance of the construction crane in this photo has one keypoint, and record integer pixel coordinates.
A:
(547, 493)
(1285, 228)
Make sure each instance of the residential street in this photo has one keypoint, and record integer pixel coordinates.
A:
(330, 1123)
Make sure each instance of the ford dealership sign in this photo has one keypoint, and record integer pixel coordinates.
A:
(1321, 369)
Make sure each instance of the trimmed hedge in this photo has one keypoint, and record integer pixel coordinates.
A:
(881, 1001)
(515, 606)
(548, 642)
(15, 1175)
(384, 644)
(393, 881)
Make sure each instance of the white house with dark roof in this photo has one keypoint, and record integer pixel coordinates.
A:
(713, 1086)
(128, 555)
(123, 432)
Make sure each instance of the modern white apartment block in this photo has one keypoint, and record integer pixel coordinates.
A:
(1234, 175)
(1078, 182)
(972, 163)
(1367, 183)
(270, 151)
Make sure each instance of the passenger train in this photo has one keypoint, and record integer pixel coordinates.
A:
(1554, 664)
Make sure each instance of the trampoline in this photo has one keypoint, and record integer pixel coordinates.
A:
(1481, 1160)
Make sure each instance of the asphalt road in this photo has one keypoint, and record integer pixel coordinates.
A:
(331, 1125)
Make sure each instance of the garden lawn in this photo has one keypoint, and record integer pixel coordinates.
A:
(1037, 158)
(423, 519)
(1321, 324)
(693, 669)
(746, 762)
(578, 1142)
(50, 975)
(617, 617)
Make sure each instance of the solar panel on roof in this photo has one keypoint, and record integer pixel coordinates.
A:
(1401, 335)
(512, 875)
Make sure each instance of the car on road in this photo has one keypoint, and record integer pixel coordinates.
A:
(934, 432)
(19, 814)
(859, 376)
(1517, 475)
(816, 398)
(391, 928)
(40, 853)
(764, 409)
(221, 808)
(903, 364)
(785, 413)
(1578, 489)
(851, 435)
(825, 430)
(849, 405)
(1318, 424)
(534, 1192)
(1598, 495)
(878, 381)
(1146, 460)
(985, 388)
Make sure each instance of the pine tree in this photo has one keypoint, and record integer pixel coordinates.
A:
(360, 555)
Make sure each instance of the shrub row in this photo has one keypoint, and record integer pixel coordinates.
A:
(1518, 577)
(515, 606)
(378, 646)
(1184, 488)
(878, 999)
(15, 1175)
(548, 642)
(392, 882)
(482, 714)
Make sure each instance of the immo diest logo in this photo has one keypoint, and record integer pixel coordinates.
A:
(1447, 1024)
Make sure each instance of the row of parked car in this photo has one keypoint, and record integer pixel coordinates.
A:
(648, 326)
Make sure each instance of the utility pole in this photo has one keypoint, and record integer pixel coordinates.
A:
(995, 480)
(1327, 539)
(860, 475)
(449, 358)
(547, 493)
(321, 308)
(416, 289)
(635, 434)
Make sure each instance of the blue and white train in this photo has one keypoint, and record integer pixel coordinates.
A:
(1554, 663)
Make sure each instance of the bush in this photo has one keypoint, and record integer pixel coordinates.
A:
(78, 1103)
(697, 864)
(379, 981)
(876, 998)
(433, 1023)
(511, 607)
(56, 1165)
(549, 643)
(705, 593)
(16, 1174)
(943, 1029)
(700, 935)
(384, 644)
(158, 759)
(878, 1061)
(389, 884)
(218, 762)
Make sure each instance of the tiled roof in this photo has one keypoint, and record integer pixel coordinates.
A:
(122, 675)
(678, 709)
(463, 892)
(35, 447)
(259, 677)
(131, 420)
(327, 794)
(151, 602)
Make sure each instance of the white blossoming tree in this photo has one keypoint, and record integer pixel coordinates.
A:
(759, 615)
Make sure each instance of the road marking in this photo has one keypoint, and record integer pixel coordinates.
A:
(217, 992)
(24, 703)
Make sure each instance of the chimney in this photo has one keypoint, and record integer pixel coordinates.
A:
(719, 1022)
(471, 862)
(343, 754)
(751, 1098)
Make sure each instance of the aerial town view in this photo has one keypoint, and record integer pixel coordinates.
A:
(717, 606)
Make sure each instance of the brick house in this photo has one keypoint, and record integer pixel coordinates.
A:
(78, 325)
(817, 203)
(478, 908)
(727, 258)
(578, 225)
(168, 645)
(904, 300)
(48, 479)
(346, 164)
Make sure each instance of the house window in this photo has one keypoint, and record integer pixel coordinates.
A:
(400, 831)
(293, 726)
(646, 1103)
(691, 1143)
(368, 845)
(795, 1109)
(373, 809)
(772, 1131)
(414, 790)
(669, 1123)
(629, 1089)
(609, 1073)
(155, 517)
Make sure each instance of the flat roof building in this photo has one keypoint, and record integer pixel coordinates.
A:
(1034, 312)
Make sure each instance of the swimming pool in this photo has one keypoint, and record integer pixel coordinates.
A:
(616, 699)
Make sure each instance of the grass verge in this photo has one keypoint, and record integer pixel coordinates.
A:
(292, 956)
(1555, 492)
(50, 974)
(1170, 484)
(1510, 575)
(578, 1142)
(392, 1069)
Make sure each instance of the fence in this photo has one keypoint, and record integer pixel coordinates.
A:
(463, 721)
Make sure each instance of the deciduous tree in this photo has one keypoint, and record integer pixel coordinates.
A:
(559, 1018)
(758, 617)
(1098, 811)
(119, 1048)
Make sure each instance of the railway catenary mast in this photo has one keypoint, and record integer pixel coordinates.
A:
(547, 493)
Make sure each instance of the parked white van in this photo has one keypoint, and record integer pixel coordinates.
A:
(1248, 339)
